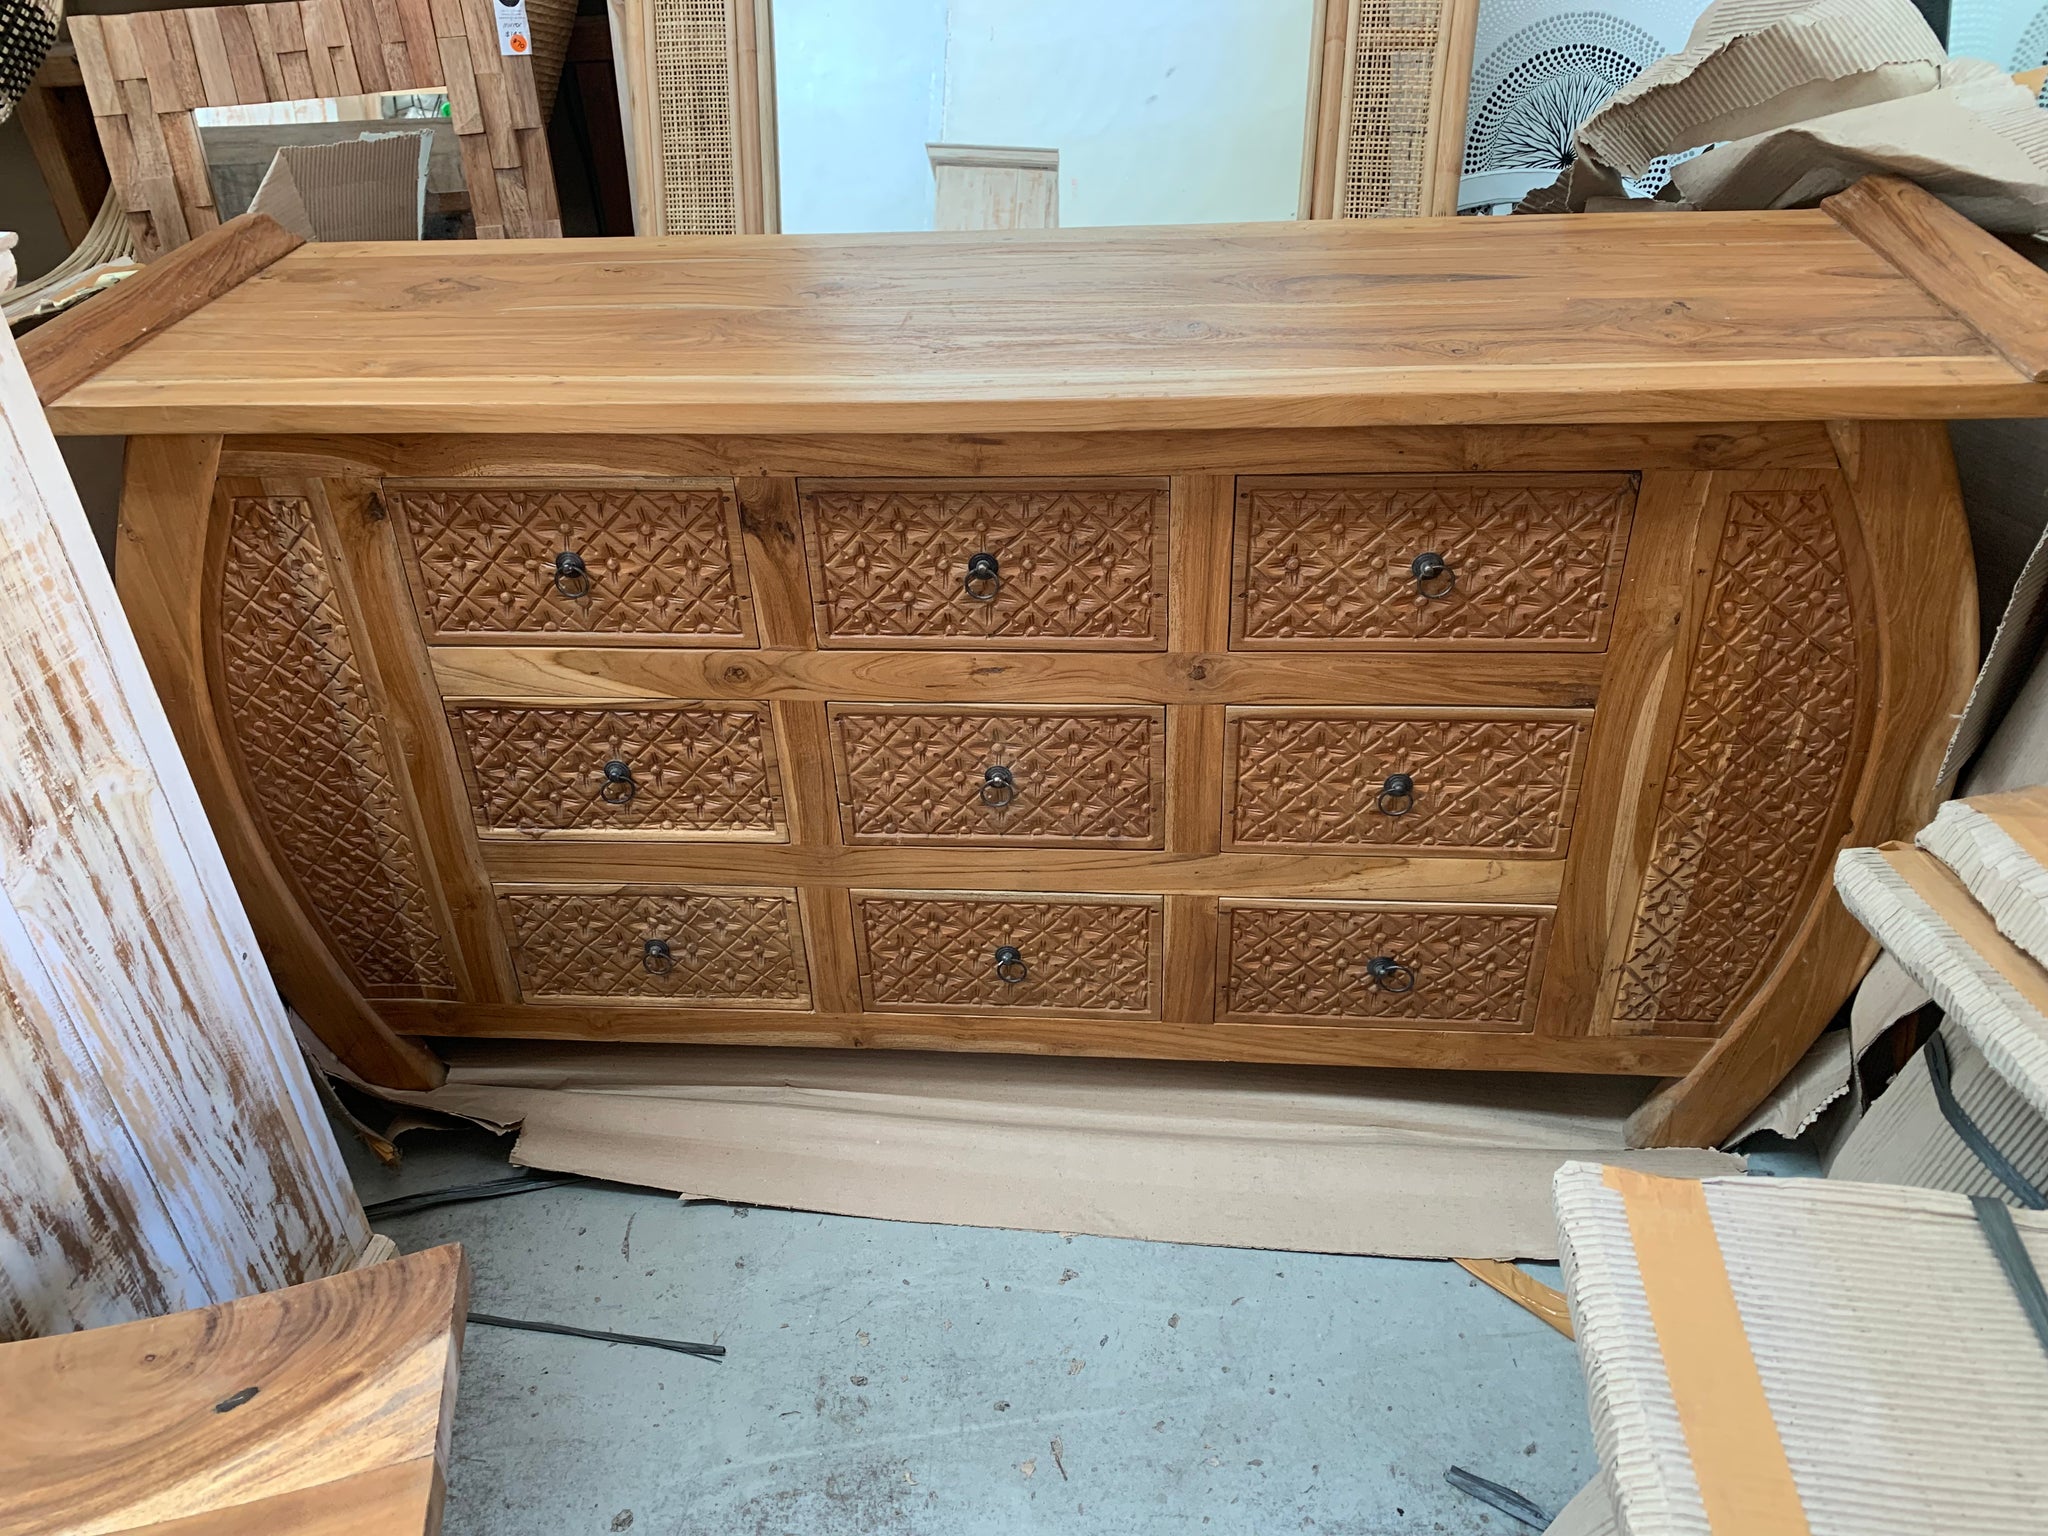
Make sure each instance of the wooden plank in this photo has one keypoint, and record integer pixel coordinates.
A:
(88, 39)
(1443, 151)
(778, 576)
(58, 124)
(2001, 295)
(217, 84)
(1524, 1290)
(1910, 511)
(617, 674)
(160, 1142)
(1191, 934)
(332, 1400)
(245, 58)
(1450, 1050)
(65, 352)
(828, 940)
(1133, 871)
(166, 515)
(754, 134)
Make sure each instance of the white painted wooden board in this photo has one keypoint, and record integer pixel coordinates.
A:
(160, 1143)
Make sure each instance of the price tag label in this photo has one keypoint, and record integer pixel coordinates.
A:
(513, 36)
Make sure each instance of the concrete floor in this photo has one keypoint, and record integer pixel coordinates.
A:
(950, 1381)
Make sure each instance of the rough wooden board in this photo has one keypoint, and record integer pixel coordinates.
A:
(123, 1429)
(1998, 292)
(1780, 315)
(160, 1142)
(64, 352)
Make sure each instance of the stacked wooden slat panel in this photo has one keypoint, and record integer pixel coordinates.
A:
(147, 73)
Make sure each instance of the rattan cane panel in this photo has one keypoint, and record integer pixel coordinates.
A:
(1387, 109)
(1304, 961)
(727, 948)
(1095, 956)
(693, 90)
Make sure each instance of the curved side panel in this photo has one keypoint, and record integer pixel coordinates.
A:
(168, 529)
(1923, 603)
(296, 710)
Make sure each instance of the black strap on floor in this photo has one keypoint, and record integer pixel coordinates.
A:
(1940, 1073)
(676, 1346)
(2013, 1258)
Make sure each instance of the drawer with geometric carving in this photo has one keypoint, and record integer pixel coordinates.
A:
(1041, 564)
(705, 770)
(1333, 962)
(1528, 562)
(619, 562)
(699, 946)
(1048, 777)
(1030, 954)
(1444, 780)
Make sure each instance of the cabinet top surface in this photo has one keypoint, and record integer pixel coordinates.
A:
(1531, 319)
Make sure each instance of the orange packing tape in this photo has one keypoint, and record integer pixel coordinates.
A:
(1738, 1460)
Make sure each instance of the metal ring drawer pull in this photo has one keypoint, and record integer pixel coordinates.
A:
(572, 576)
(619, 786)
(1010, 966)
(1389, 974)
(655, 958)
(984, 577)
(1397, 795)
(1433, 578)
(998, 786)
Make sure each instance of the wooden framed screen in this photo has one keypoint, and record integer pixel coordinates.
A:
(146, 73)
(697, 103)
(1386, 108)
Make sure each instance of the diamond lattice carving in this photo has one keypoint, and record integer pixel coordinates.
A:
(1315, 780)
(1095, 956)
(702, 769)
(724, 948)
(1310, 963)
(1761, 759)
(1534, 564)
(1075, 564)
(303, 723)
(1085, 780)
(662, 561)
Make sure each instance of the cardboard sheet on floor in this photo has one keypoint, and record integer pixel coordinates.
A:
(1411, 1164)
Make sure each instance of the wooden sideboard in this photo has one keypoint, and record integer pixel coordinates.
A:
(1453, 643)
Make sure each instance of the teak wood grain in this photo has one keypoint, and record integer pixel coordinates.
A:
(1783, 315)
(324, 1408)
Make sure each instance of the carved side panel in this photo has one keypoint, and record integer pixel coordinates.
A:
(708, 769)
(1762, 755)
(939, 952)
(1471, 969)
(1533, 561)
(302, 721)
(1075, 780)
(730, 948)
(1318, 778)
(1082, 564)
(662, 561)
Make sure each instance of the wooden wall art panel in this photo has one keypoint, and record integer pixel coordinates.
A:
(146, 73)
(708, 770)
(1084, 955)
(1753, 792)
(306, 728)
(1353, 778)
(1286, 960)
(642, 561)
(730, 947)
(1081, 565)
(1054, 778)
(1530, 562)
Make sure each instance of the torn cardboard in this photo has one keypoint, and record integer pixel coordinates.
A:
(369, 188)
(1903, 1137)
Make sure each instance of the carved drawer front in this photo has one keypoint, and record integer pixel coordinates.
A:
(1525, 561)
(1082, 778)
(652, 560)
(1050, 954)
(1368, 963)
(986, 563)
(703, 947)
(707, 770)
(1331, 778)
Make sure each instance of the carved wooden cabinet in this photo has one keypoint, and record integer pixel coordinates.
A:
(1394, 699)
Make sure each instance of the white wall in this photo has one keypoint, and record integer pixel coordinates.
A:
(1163, 113)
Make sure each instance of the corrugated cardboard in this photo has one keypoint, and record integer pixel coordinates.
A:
(1998, 847)
(1897, 1371)
(1414, 1164)
(1590, 1513)
(1902, 1137)
(369, 188)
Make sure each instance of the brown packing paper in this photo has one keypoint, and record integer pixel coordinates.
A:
(367, 188)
